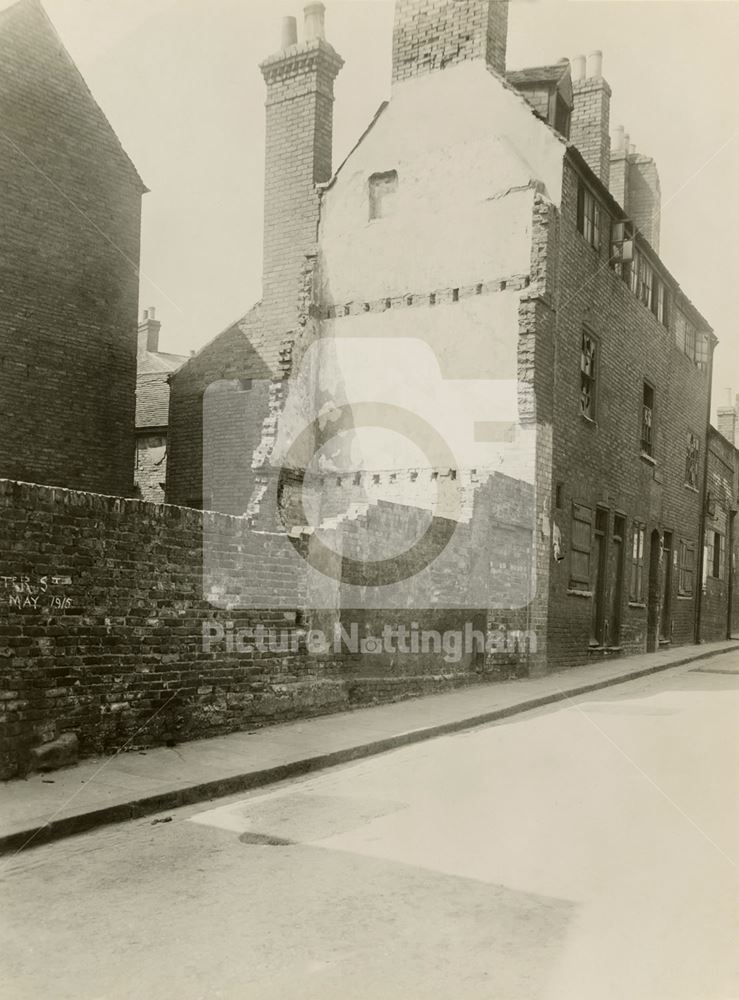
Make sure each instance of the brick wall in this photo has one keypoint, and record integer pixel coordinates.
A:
(599, 463)
(69, 255)
(431, 34)
(719, 515)
(103, 604)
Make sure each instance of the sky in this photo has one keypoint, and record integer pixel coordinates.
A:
(180, 83)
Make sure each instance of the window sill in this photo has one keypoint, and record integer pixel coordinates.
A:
(588, 420)
(693, 489)
(648, 458)
(576, 592)
(637, 604)
(685, 597)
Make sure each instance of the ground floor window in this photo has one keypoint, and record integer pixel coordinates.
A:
(582, 545)
(686, 568)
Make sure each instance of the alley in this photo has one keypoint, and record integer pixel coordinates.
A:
(584, 851)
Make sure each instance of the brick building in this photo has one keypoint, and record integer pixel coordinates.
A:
(486, 219)
(153, 369)
(69, 253)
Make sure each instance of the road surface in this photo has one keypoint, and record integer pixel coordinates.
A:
(586, 851)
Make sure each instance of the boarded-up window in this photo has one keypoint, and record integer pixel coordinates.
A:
(581, 546)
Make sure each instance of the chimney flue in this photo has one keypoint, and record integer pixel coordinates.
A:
(619, 139)
(577, 71)
(595, 65)
(289, 34)
(314, 21)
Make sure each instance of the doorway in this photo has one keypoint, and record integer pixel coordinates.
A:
(665, 618)
(655, 592)
(617, 580)
(600, 555)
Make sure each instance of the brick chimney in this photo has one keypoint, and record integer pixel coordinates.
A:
(634, 183)
(727, 418)
(590, 121)
(299, 130)
(149, 327)
(431, 34)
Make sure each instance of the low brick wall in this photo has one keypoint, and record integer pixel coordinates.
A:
(101, 622)
(102, 613)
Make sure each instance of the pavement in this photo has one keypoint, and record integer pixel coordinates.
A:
(127, 786)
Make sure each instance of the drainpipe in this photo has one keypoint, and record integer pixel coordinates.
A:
(704, 503)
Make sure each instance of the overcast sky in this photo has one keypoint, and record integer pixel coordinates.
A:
(180, 83)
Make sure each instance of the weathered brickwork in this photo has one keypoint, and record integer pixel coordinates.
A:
(432, 34)
(101, 616)
(598, 463)
(69, 256)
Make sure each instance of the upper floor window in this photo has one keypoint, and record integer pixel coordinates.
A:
(647, 420)
(692, 454)
(714, 555)
(382, 190)
(587, 375)
(659, 301)
(589, 216)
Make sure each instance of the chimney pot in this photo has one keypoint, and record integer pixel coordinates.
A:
(578, 68)
(619, 139)
(595, 64)
(289, 32)
(152, 312)
(314, 21)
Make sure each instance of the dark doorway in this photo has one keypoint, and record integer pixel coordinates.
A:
(617, 580)
(665, 618)
(655, 592)
(600, 556)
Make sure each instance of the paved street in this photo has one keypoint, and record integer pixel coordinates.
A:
(585, 851)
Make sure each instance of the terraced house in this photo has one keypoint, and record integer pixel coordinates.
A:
(487, 221)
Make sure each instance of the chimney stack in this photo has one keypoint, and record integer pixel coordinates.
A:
(634, 183)
(590, 122)
(298, 148)
(289, 32)
(148, 338)
(429, 35)
(727, 419)
(314, 21)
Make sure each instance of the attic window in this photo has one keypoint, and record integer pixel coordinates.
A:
(382, 190)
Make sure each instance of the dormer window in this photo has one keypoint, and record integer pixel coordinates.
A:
(382, 191)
